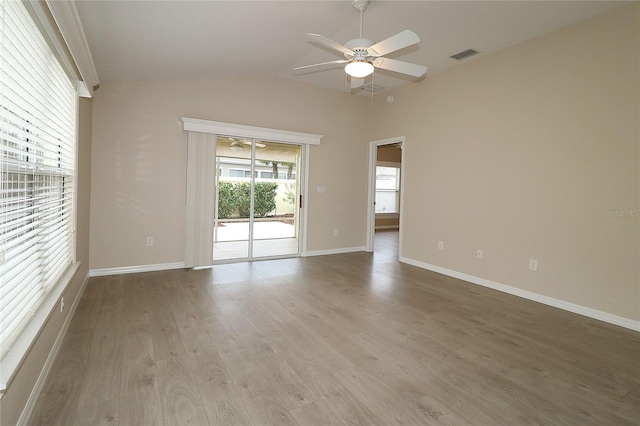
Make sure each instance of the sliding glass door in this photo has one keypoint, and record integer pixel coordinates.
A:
(257, 199)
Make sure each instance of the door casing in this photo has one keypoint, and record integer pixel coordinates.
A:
(371, 196)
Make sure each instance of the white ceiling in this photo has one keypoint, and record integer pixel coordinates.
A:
(152, 40)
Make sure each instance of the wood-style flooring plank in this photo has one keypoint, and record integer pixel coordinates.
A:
(356, 339)
(140, 402)
(99, 399)
(58, 402)
(286, 383)
(259, 396)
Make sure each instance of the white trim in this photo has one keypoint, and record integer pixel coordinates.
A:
(304, 193)
(332, 251)
(550, 301)
(43, 18)
(70, 26)
(135, 269)
(262, 133)
(46, 368)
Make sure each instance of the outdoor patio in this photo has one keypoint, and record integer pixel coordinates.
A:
(270, 238)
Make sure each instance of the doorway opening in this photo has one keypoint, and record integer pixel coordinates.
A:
(257, 211)
(384, 212)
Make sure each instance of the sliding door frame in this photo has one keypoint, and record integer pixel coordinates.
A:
(261, 133)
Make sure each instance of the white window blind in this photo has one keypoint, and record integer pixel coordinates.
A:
(38, 157)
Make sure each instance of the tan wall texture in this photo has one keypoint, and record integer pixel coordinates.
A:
(521, 153)
(139, 160)
(531, 152)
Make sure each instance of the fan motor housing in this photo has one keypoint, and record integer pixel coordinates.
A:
(359, 43)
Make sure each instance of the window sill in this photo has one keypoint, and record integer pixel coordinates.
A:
(16, 355)
(387, 216)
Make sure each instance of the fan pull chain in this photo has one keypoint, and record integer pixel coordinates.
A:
(373, 84)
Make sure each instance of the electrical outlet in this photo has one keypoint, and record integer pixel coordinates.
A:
(533, 264)
(335, 232)
(61, 304)
(440, 245)
(479, 254)
(149, 241)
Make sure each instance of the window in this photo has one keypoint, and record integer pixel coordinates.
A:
(387, 189)
(37, 172)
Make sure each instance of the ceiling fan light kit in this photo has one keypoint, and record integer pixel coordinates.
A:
(362, 55)
(359, 68)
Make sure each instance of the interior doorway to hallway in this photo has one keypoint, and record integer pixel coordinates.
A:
(384, 210)
(386, 245)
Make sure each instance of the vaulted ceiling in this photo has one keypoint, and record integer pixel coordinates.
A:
(151, 40)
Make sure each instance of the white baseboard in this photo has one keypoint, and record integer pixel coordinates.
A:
(556, 303)
(135, 269)
(332, 251)
(46, 368)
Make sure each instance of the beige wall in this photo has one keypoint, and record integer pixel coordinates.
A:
(139, 160)
(522, 153)
(389, 153)
(13, 402)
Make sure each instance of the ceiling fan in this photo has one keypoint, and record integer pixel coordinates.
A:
(362, 55)
(237, 144)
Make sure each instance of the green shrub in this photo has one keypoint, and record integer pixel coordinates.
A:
(264, 198)
(243, 196)
(227, 200)
(236, 198)
(290, 193)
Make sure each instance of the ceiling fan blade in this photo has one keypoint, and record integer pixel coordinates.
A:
(248, 142)
(317, 38)
(399, 41)
(338, 61)
(400, 66)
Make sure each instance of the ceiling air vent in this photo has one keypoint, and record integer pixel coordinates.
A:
(372, 88)
(464, 54)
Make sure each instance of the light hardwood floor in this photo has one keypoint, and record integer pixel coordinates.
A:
(344, 339)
